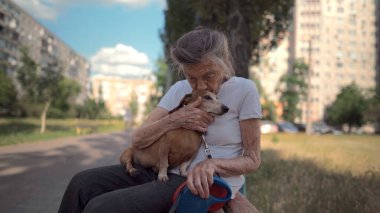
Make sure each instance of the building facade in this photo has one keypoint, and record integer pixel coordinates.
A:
(338, 39)
(118, 93)
(19, 30)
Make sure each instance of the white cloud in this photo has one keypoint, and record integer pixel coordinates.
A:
(39, 8)
(120, 60)
(50, 9)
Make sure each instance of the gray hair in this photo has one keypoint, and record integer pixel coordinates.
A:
(193, 46)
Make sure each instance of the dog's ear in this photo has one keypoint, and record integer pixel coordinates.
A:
(185, 100)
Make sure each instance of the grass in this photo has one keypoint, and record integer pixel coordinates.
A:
(324, 173)
(16, 131)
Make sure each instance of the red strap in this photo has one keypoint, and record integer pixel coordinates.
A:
(178, 191)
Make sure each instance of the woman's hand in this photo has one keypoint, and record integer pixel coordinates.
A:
(200, 178)
(190, 117)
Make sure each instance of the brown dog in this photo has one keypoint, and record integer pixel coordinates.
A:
(176, 147)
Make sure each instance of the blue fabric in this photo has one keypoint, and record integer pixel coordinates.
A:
(190, 203)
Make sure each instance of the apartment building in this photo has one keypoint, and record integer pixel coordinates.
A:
(118, 92)
(378, 45)
(18, 29)
(338, 39)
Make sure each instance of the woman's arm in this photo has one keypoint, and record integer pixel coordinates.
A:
(251, 159)
(201, 177)
(160, 121)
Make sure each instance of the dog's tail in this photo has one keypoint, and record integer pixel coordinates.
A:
(126, 159)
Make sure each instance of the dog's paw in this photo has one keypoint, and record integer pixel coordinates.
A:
(183, 173)
(163, 178)
(133, 172)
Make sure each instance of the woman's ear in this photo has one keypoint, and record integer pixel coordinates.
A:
(185, 100)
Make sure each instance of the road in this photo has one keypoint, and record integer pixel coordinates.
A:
(33, 176)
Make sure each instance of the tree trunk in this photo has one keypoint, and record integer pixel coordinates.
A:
(43, 116)
(240, 37)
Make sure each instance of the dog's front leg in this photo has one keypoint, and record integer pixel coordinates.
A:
(183, 167)
(164, 161)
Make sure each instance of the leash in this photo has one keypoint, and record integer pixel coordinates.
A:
(179, 193)
(207, 149)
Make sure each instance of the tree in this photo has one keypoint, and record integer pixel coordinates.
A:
(161, 73)
(27, 76)
(373, 112)
(268, 107)
(92, 109)
(8, 94)
(48, 88)
(41, 85)
(133, 106)
(251, 25)
(348, 108)
(293, 89)
(68, 90)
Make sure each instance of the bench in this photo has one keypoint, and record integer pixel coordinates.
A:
(240, 204)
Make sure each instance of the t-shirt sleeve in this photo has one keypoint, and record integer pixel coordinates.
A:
(250, 105)
(167, 102)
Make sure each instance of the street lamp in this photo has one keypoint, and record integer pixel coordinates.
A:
(308, 99)
(308, 38)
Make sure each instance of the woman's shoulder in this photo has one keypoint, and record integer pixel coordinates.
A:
(240, 82)
(181, 87)
(181, 84)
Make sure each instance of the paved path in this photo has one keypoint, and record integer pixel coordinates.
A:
(33, 176)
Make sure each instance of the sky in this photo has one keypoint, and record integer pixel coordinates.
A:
(118, 37)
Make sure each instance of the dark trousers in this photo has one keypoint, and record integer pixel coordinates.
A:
(110, 189)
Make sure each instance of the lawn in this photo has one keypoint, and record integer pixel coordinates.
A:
(319, 173)
(16, 131)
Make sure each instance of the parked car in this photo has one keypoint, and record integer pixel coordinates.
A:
(300, 127)
(268, 126)
(321, 127)
(288, 127)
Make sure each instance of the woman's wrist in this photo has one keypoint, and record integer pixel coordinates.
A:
(171, 121)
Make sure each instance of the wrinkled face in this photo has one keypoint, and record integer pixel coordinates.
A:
(206, 75)
(210, 103)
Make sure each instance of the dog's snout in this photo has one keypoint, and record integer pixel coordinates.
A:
(225, 109)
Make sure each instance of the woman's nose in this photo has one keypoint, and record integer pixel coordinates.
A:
(201, 85)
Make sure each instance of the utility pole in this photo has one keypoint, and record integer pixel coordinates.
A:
(308, 99)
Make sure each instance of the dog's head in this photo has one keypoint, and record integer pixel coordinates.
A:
(209, 103)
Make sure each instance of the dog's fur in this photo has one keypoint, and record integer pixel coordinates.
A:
(176, 147)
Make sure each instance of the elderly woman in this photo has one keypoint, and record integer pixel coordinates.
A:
(204, 58)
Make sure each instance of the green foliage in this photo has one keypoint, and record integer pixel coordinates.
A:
(92, 109)
(348, 108)
(63, 103)
(161, 73)
(8, 94)
(293, 89)
(48, 83)
(134, 104)
(27, 76)
(268, 107)
(246, 22)
(372, 114)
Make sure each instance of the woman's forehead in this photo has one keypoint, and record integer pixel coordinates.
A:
(197, 66)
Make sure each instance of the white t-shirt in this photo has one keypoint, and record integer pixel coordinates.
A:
(223, 135)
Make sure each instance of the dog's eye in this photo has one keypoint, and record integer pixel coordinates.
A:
(207, 97)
